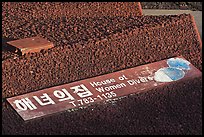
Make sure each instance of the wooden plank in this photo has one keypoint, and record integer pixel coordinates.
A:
(33, 44)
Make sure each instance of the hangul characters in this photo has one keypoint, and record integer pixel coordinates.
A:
(81, 91)
(63, 95)
(45, 99)
(24, 104)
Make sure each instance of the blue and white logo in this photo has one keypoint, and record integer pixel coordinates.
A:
(174, 72)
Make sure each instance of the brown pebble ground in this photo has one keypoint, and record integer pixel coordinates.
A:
(87, 47)
(80, 59)
(21, 14)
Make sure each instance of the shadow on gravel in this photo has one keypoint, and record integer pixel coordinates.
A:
(6, 47)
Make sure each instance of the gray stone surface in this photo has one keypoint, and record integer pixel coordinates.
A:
(197, 15)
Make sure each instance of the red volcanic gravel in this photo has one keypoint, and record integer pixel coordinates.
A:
(23, 14)
(86, 47)
(69, 9)
(145, 40)
(25, 11)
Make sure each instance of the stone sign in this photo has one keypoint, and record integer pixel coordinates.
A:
(102, 88)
